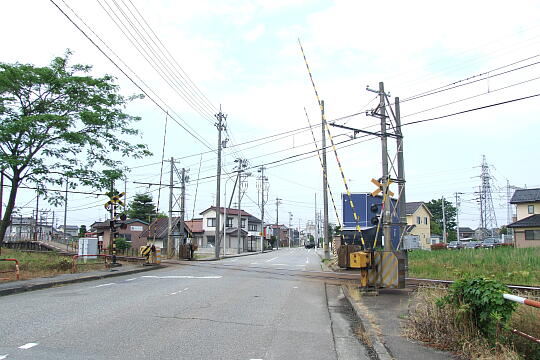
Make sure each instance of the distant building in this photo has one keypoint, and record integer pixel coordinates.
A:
(419, 222)
(71, 230)
(132, 233)
(527, 225)
(465, 233)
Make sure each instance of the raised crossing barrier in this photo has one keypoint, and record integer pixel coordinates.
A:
(524, 301)
(9, 271)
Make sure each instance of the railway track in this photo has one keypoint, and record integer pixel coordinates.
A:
(334, 276)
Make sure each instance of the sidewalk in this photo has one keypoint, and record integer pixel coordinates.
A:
(14, 287)
(383, 318)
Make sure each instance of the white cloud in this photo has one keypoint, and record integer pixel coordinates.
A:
(254, 33)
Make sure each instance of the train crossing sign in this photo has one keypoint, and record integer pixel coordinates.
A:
(381, 187)
(115, 200)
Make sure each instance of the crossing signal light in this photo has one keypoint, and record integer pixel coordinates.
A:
(374, 214)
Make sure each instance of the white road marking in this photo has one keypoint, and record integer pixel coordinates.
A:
(109, 284)
(182, 277)
(307, 260)
(3, 356)
(254, 263)
(185, 289)
(295, 287)
(272, 259)
(27, 346)
(131, 279)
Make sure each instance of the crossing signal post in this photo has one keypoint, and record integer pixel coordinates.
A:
(117, 221)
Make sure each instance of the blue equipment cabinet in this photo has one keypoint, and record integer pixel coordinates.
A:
(368, 209)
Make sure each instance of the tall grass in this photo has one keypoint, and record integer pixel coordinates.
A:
(39, 264)
(452, 330)
(506, 264)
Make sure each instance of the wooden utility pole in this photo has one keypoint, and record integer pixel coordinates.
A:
(169, 225)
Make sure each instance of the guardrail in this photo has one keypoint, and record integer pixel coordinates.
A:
(16, 268)
(75, 257)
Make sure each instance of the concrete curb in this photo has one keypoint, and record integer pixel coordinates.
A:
(31, 285)
(363, 315)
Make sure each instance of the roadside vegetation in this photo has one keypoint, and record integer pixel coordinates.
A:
(506, 264)
(41, 264)
(473, 321)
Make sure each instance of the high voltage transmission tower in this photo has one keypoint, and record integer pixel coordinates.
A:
(488, 218)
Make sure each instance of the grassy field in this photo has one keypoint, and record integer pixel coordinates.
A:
(40, 264)
(508, 265)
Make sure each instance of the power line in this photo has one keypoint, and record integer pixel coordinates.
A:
(129, 77)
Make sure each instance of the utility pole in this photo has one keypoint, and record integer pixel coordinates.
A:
(457, 214)
(325, 186)
(220, 126)
(316, 224)
(278, 202)
(37, 216)
(290, 230)
(401, 173)
(1, 193)
(183, 179)
(263, 181)
(65, 213)
(443, 221)
(385, 178)
(169, 225)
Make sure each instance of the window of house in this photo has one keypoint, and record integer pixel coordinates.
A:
(229, 222)
(136, 228)
(418, 220)
(532, 234)
(243, 223)
(425, 220)
(211, 222)
(531, 209)
(211, 240)
(252, 227)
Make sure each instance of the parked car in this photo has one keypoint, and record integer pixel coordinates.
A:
(455, 245)
(473, 245)
(490, 243)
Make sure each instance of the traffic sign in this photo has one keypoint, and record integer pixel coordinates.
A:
(381, 187)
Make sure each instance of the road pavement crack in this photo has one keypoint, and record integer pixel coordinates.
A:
(206, 319)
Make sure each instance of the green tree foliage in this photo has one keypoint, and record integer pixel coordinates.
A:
(435, 207)
(58, 123)
(142, 207)
(82, 230)
(122, 244)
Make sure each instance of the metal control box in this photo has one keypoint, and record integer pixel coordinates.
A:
(360, 260)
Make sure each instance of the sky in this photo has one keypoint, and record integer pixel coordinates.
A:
(193, 58)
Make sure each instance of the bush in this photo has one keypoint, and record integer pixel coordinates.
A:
(439, 246)
(122, 244)
(482, 300)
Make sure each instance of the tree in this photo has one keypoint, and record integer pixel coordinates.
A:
(59, 124)
(435, 207)
(82, 230)
(142, 207)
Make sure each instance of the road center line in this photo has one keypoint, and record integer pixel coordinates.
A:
(109, 284)
(27, 346)
(182, 277)
(272, 259)
(131, 279)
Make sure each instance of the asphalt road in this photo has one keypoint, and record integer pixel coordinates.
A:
(186, 312)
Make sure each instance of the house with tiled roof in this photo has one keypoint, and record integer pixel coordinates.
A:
(158, 231)
(527, 225)
(131, 233)
(419, 222)
(250, 229)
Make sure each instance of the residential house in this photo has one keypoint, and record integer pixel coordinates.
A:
(131, 233)
(71, 230)
(25, 228)
(527, 225)
(196, 231)
(281, 232)
(465, 233)
(419, 222)
(158, 232)
(250, 229)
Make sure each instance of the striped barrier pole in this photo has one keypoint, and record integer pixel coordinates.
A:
(16, 267)
(522, 300)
